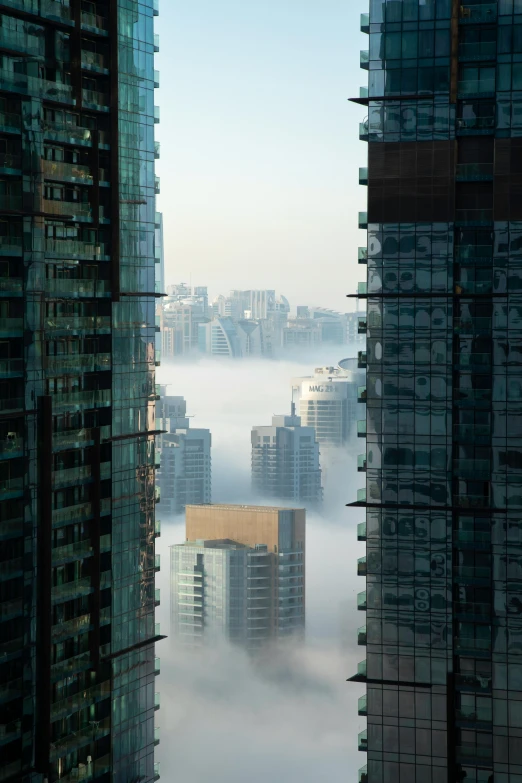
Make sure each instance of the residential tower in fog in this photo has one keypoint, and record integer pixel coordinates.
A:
(240, 575)
(285, 461)
(184, 471)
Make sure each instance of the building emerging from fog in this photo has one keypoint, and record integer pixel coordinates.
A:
(285, 461)
(77, 391)
(184, 475)
(239, 576)
(328, 402)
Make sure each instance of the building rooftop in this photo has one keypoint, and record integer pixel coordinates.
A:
(229, 507)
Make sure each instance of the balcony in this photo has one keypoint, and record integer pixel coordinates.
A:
(11, 245)
(361, 495)
(12, 446)
(91, 362)
(100, 398)
(66, 172)
(98, 24)
(362, 255)
(94, 769)
(93, 99)
(362, 289)
(80, 700)
(478, 14)
(60, 12)
(71, 628)
(363, 92)
(474, 253)
(71, 248)
(79, 739)
(157, 527)
(361, 601)
(71, 552)
(363, 740)
(363, 220)
(157, 596)
(11, 368)
(473, 610)
(156, 115)
(472, 433)
(71, 514)
(361, 428)
(10, 202)
(10, 569)
(361, 463)
(474, 172)
(363, 774)
(362, 325)
(156, 735)
(362, 708)
(32, 85)
(361, 531)
(475, 125)
(157, 770)
(9, 162)
(361, 394)
(10, 731)
(364, 131)
(87, 323)
(157, 664)
(70, 590)
(156, 185)
(362, 360)
(70, 666)
(361, 566)
(156, 701)
(11, 286)
(473, 287)
(472, 326)
(361, 636)
(156, 79)
(156, 150)
(481, 50)
(365, 23)
(476, 88)
(156, 42)
(74, 210)
(10, 123)
(11, 488)
(76, 288)
(92, 61)
(157, 562)
(364, 59)
(467, 752)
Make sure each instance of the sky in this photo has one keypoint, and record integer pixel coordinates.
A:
(259, 146)
(292, 718)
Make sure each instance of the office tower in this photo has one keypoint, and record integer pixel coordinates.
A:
(159, 248)
(285, 461)
(184, 476)
(355, 328)
(444, 435)
(301, 332)
(240, 574)
(328, 403)
(77, 529)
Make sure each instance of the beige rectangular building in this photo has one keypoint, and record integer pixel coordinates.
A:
(275, 589)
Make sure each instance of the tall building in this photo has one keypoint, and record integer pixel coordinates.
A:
(77, 393)
(285, 461)
(444, 436)
(184, 475)
(240, 574)
(219, 337)
(328, 403)
(179, 316)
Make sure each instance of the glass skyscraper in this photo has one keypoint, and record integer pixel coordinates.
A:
(77, 391)
(443, 496)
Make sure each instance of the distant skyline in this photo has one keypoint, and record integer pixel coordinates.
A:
(259, 146)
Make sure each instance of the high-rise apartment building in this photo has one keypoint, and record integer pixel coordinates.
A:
(77, 394)
(184, 475)
(328, 403)
(240, 574)
(444, 417)
(285, 461)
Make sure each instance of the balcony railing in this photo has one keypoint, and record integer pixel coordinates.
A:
(480, 50)
(365, 59)
(96, 99)
(363, 740)
(475, 14)
(75, 589)
(475, 123)
(94, 60)
(362, 255)
(32, 85)
(362, 359)
(94, 20)
(469, 172)
(70, 172)
(94, 362)
(365, 23)
(361, 601)
(72, 209)
(363, 220)
(82, 399)
(361, 636)
(82, 737)
(80, 323)
(468, 88)
(361, 428)
(10, 121)
(361, 531)
(74, 248)
(361, 463)
(362, 706)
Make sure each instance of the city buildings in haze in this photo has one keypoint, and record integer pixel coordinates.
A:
(240, 575)
(77, 499)
(443, 492)
(185, 472)
(328, 402)
(285, 461)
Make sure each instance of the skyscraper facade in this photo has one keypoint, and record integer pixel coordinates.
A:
(277, 538)
(285, 461)
(444, 435)
(77, 394)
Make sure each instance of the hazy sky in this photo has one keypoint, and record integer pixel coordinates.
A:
(259, 145)
(293, 720)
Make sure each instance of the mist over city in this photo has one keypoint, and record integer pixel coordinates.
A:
(219, 706)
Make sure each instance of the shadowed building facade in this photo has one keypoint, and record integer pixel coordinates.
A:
(77, 395)
(443, 424)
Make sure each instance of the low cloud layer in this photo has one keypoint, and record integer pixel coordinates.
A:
(291, 716)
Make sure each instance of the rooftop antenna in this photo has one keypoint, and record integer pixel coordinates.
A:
(292, 404)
